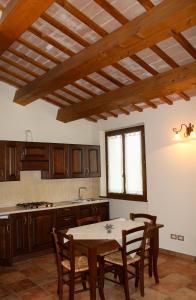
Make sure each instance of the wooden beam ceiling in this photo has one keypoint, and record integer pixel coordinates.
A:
(144, 31)
(17, 17)
(153, 87)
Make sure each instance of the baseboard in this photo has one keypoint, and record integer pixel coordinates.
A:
(177, 254)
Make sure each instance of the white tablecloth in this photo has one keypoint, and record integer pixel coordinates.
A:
(97, 231)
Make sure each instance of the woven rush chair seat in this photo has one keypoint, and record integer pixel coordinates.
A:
(81, 264)
(116, 258)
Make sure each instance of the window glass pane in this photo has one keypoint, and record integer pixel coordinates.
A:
(133, 163)
(115, 164)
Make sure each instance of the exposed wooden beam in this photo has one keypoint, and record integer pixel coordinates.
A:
(136, 107)
(145, 30)
(184, 43)
(147, 4)
(64, 29)
(143, 64)
(124, 111)
(11, 82)
(102, 117)
(151, 104)
(1, 7)
(150, 88)
(97, 84)
(125, 71)
(82, 17)
(112, 11)
(17, 17)
(184, 96)
(51, 41)
(91, 119)
(113, 114)
(166, 100)
(110, 78)
(84, 89)
(164, 56)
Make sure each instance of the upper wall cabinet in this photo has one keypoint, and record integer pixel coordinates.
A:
(84, 161)
(59, 161)
(12, 161)
(35, 156)
(93, 168)
(2, 161)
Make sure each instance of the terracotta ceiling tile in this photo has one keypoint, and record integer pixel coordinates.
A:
(77, 91)
(104, 81)
(190, 35)
(129, 8)
(89, 86)
(136, 69)
(153, 60)
(173, 49)
(118, 75)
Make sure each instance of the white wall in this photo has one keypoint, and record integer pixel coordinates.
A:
(171, 173)
(40, 117)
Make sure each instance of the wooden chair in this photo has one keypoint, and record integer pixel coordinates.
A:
(74, 267)
(149, 253)
(133, 242)
(88, 220)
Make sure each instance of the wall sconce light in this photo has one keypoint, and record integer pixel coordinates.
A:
(188, 133)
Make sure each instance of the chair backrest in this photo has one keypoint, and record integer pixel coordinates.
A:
(88, 220)
(134, 241)
(64, 247)
(144, 217)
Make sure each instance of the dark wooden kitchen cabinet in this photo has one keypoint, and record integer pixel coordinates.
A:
(34, 156)
(102, 210)
(19, 231)
(40, 227)
(84, 161)
(84, 211)
(77, 161)
(5, 241)
(2, 161)
(66, 217)
(93, 168)
(12, 161)
(59, 161)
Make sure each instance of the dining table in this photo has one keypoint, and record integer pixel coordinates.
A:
(95, 239)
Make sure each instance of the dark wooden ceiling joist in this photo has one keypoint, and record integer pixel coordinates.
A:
(147, 4)
(145, 30)
(150, 88)
(112, 11)
(184, 43)
(17, 17)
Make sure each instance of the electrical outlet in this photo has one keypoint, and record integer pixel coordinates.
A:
(173, 236)
(181, 238)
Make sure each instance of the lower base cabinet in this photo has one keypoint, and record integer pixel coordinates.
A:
(5, 242)
(40, 228)
(26, 233)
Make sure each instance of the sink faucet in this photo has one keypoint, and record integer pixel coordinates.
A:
(79, 191)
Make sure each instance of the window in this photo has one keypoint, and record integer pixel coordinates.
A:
(125, 164)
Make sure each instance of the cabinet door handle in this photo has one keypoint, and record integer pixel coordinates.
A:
(25, 220)
(8, 228)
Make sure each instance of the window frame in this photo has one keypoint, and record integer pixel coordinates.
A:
(125, 196)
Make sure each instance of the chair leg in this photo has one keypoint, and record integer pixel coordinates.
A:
(83, 278)
(71, 286)
(60, 286)
(101, 277)
(126, 284)
(136, 274)
(141, 278)
(150, 263)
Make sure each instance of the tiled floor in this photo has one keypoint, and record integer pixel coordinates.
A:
(36, 279)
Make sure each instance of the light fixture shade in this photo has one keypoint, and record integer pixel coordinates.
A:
(192, 135)
(177, 137)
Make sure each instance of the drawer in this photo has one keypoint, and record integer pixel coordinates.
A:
(66, 222)
(66, 211)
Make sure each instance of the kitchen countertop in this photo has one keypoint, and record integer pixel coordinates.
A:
(14, 209)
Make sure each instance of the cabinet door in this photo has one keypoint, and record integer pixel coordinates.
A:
(59, 161)
(84, 211)
(2, 161)
(77, 161)
(40, 227)
(101, 209)
(5, 241)
(19, 233)
(35, 152)
(92, 161)
(66, 217)
(13, 166)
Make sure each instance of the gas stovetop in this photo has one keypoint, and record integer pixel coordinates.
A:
(39, 204)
